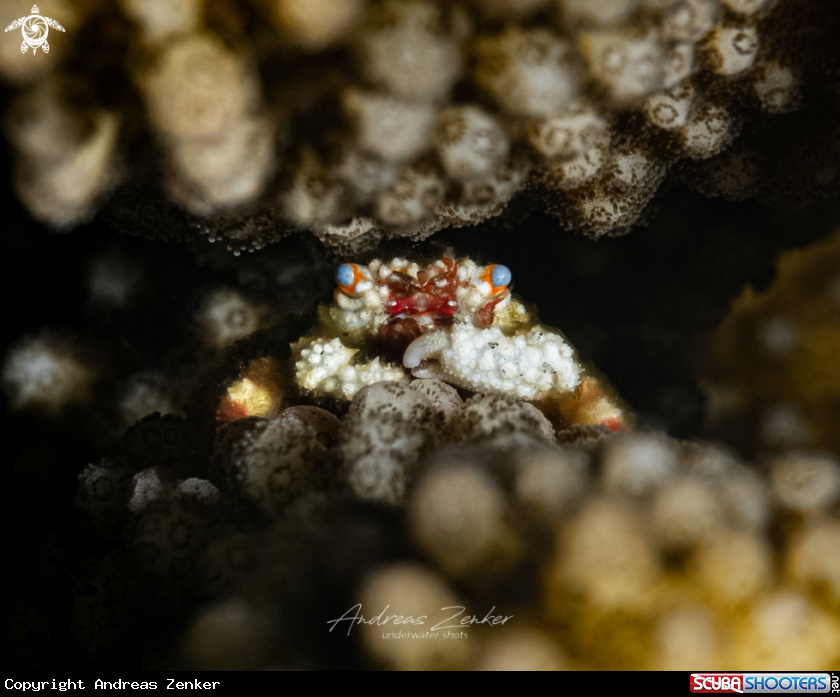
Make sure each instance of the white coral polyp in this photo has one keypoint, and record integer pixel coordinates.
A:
(707, 135)
(528, 73)
(407, 58)
(672, 109)
(627, 64)
(160, 19)
(733, 49)
(204, 101)
(389, 128)
(598, 13)
(690, 20)
(412, 198)
(570, 133)
(777, 88)
(531, 365)
(327, 367)
(45, 374)
(576, 172)
(471, 143)
(745, 7)
(679, 63)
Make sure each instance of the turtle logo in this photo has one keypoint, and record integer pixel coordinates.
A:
(35, 30)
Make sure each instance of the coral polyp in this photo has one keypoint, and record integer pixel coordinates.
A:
(364, 119)
(454, 320)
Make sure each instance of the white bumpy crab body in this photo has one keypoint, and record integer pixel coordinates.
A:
(451, 320)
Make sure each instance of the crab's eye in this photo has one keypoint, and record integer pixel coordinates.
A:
(497, 278)
(500, 276)
(347, 276)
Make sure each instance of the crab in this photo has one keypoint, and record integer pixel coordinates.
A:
(453, 320)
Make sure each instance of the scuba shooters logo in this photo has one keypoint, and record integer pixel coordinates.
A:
(755, 683)
(717, 682)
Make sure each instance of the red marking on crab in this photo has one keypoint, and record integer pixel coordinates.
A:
(486, 314)
(614, 423)
(231, 410)
(393, 338)
(421, 304)
(431, 294)
(416, 305)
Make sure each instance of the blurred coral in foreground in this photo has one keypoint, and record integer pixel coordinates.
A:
(608, 551)
(362, 119)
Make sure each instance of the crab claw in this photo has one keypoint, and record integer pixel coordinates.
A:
(420, 355)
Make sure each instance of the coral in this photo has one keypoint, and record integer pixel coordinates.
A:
(604, 556)
(806, 482)
(527, 73)
(810, 561)
(48, 374)
(458, 517)
(635, 466)
(581, 547)
(271, 462)
(786, 628)
(226, 316)
(409, 590)
(522, 649)
(104, 491)
(364, 119)
(113, 280)
(502, 416)
(232, 634)
(784, 395)
(203, 100)
(733, 567)
(386, 428)
(684, 637)
(316, 25)
(549, 481)
(145, 394)
(471, 143)
(161, 20)
(67, 157)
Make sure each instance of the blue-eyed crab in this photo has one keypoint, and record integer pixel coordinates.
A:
(454, 320)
